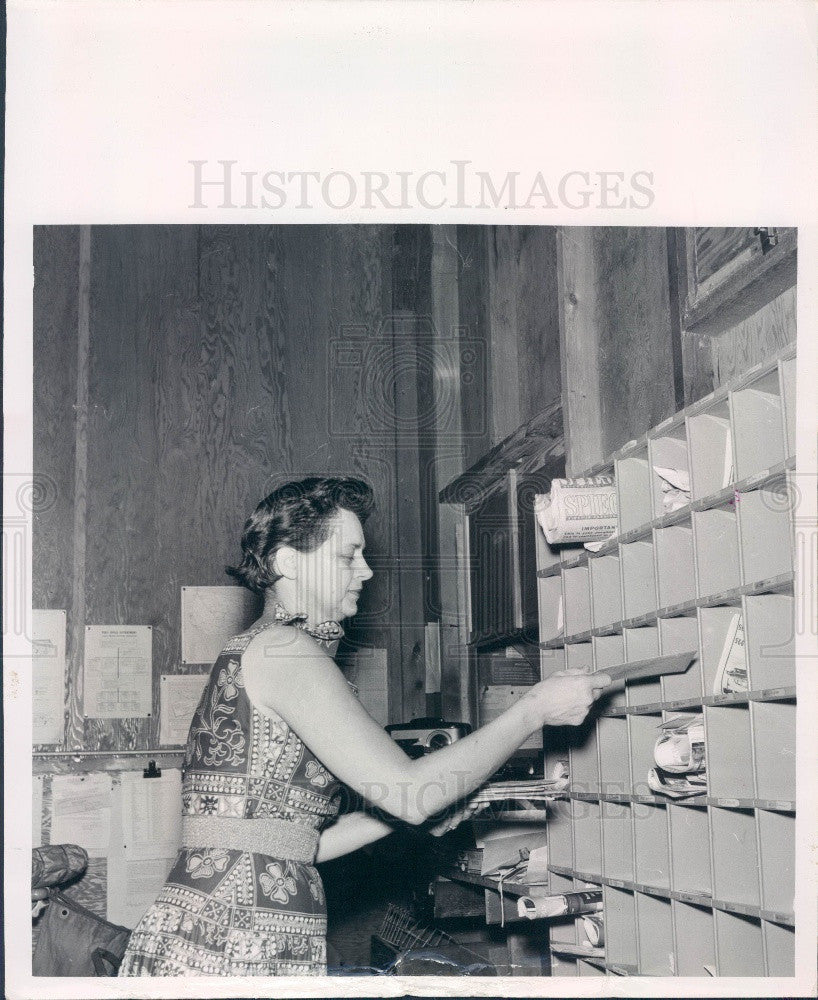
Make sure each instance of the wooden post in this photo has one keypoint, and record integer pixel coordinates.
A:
(447, 432)
(616, 338)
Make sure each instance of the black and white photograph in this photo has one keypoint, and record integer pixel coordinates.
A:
(463, 558)
(408, 573)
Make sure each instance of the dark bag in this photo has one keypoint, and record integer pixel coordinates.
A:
(73, 941)
(54, 864)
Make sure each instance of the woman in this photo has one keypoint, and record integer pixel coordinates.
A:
(277, 731)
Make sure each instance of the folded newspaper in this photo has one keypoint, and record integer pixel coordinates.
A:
(680, 746)
(681, 763)
(594, 929)
(537, 790)
(675, 488)
(731, 673)
(578, 510)
(676, 786)
(567, 904)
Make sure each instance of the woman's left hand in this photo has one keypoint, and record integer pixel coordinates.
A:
(39, 901)
(453, 818)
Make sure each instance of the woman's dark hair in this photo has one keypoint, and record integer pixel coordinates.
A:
(296, 514)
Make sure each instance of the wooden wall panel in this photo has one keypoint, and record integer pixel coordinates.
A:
(55, 347)
(538, 320)
(503, 275)
(213, 376)
(412, 377)
(475, 330)
(56, 285)
(359, 423)
(766, 332)
(617, 356)
(524, 324)
(143, 289)
(635, 359)
(697, 366)
(451, 383)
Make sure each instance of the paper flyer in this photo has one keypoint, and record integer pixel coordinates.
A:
(118, 664)
(48, 676)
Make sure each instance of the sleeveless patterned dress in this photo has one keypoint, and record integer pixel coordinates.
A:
(226, 912)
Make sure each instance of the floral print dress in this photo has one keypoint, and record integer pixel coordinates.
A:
(225, 912)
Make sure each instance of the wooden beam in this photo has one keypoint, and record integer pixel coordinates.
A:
(75, 735)
(616, 339)
(412, 615)
(449, 447)
(504, 347)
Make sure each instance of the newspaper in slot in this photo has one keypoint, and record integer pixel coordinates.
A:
(731, 673)
(566, 904)
(577, 511)
(536, 790)
(680, 757)
(675, 488)
(676, 786)
(594, 928)
(680, 747)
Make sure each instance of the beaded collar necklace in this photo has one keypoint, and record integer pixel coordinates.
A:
(328, 631)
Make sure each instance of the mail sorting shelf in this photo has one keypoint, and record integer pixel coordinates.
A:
(675, 574)
(561, 932)
(573, 952)
(667, 450)
(672, 581)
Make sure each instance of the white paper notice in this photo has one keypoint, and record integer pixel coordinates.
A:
(81, 811)
(133, 885)
(151, 815)
(178, 697)
(211, 616)
(37, 811)
(48, 675)
(117, 671)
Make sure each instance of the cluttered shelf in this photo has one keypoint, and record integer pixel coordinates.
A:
(700, 799)
(572, 557)
(728, 756)
(509, 888)
(517, 889)
(681, 795)
(685, 704)
(769, 585)
(702, 899)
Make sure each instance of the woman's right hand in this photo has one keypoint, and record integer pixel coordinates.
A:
(564, 698)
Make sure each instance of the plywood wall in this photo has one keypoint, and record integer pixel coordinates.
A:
(763, 334)
(617, 350)
(181, 373)
(509, 306)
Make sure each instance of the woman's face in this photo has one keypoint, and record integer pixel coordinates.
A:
(330, 577)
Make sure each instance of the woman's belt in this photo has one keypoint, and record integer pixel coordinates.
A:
(276, 838)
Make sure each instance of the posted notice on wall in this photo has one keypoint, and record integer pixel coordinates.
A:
(118, 660)
(141, 855)
(48, 675)
(81, 811)
(132, 886)
(179, 696)
(151, 815)
(211, 616)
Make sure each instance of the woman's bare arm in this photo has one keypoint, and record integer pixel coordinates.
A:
(350, 832)
(287, 672)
